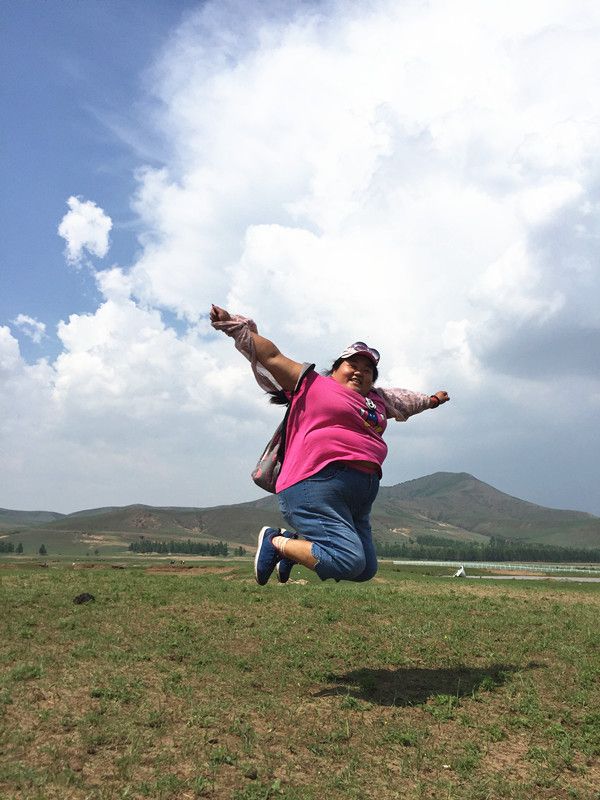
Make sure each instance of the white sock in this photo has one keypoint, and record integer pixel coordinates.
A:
(279, 543)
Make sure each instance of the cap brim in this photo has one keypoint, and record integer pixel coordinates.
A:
(350, 351)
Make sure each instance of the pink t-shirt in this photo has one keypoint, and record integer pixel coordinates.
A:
(329, 422)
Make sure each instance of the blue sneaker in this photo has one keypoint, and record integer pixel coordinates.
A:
(267, 556)
(283, 569)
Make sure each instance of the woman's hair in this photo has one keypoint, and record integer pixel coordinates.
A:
(281, 398)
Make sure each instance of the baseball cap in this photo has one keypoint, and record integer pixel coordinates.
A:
(361, 349)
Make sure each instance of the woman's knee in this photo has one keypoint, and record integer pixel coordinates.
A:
(357, 567)
(346, 566)
(369, 572)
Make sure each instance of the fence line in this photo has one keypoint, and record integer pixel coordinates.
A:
(541, 567)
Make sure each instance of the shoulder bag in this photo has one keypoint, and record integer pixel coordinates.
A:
(267, 470)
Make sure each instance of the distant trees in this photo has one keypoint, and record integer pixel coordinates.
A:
(438, 548)
(185, 547)
(9, 547)
(42, 551)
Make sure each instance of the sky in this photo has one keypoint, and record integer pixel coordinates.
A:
(423, 176)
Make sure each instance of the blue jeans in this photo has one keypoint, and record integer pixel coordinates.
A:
(331, 509)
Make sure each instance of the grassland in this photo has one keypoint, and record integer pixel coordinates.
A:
(195, 682)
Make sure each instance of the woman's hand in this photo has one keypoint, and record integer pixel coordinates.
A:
(441, 396)
(219, 314)
(285, 371)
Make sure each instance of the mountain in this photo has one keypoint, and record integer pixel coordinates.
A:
(20, 519)
(449, 504)
(237, 524)
(462, 500)
(134, 518)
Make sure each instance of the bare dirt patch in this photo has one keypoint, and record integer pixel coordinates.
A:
(529, 590)
(508, 757)
(518, 572)
(179, 569)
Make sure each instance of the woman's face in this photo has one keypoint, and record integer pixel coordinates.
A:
(356, 373)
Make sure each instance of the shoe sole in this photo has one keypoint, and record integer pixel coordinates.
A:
(278, 574)
(290, 536)
(261, 536)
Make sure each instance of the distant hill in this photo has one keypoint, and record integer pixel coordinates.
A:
(20, 519)
(233, 523)
(449, 504)
(462, 500)
(135, 518)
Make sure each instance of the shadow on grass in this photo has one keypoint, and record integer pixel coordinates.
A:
(412, 686)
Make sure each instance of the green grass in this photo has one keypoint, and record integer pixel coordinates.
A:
(200, 684)
(94, 544)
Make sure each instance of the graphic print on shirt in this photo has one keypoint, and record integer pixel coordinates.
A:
(369, 415)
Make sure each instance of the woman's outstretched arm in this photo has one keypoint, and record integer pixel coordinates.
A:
(400, 404)
(285, 371)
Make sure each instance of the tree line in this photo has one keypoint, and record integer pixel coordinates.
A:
(185, 547)
(427, 548)
(9, 547)
(437, 548)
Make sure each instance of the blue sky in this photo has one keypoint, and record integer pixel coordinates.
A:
(424, 177)
(71, 70)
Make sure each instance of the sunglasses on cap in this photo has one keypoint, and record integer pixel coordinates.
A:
(360, 348)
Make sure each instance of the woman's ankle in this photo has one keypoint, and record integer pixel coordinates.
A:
(279, 543)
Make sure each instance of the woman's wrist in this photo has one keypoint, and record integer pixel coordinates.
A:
(434, 401)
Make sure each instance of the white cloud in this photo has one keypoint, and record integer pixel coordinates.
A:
(128, 412)
(31, 327)
(395, 152)
(9, 350)
(511, 287)
(27, 418)
(85, 227)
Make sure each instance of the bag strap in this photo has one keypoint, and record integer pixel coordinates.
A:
(306, 369)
